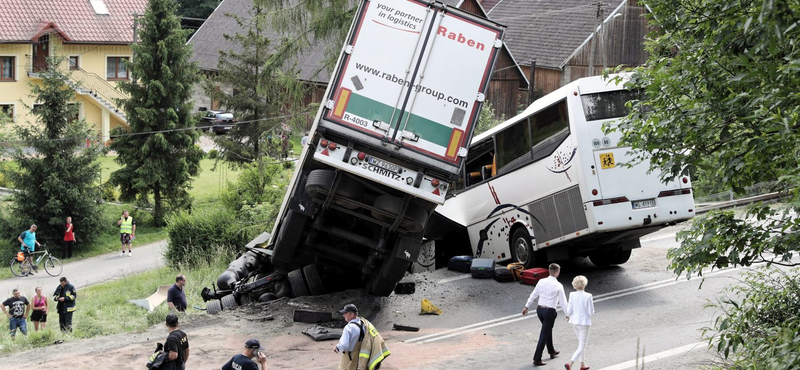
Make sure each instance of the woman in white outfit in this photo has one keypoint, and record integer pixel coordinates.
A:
(579, 313)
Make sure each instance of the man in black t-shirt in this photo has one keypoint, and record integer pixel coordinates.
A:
(177, 346)
(243, 361)
(17, 313)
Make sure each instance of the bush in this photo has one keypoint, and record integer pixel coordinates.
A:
(108, 192)
(213, 154)
(199, 236)
(759, 327)
(254, 187)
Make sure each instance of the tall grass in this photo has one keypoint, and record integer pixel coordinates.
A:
(104, 309)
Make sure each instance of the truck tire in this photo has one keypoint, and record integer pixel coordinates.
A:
(298, 284)
(415, 217)
(266, 297)
(213, 307)
(522, 248)
(622, 257)
(315, 285)
(288, 237)
(603, 258)
(388, 276)
(323, 179)
(228, 302)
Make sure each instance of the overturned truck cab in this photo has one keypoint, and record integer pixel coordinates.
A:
(386, 145)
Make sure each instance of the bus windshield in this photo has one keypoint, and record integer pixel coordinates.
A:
(608, 105)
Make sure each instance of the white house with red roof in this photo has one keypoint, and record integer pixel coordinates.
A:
(95, 36)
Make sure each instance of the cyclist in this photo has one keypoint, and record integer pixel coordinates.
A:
(29, 243)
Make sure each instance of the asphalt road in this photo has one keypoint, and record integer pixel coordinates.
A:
(641, 308)
(90, 271)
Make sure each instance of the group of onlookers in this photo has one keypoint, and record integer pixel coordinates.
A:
(18, 308)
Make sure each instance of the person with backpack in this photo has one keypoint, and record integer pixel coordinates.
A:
(361, 345)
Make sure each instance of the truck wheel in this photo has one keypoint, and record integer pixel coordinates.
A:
(603, 258)
(312, 278)
(388, 276)
(229, 302)
(622, 257)
(283, 289)
(323, 179)
(414, 220)
(522, 248)
(266, 297)
(288, 236)
(213, 307)
(298, 284)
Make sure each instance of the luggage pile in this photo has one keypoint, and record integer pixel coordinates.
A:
(485, 268)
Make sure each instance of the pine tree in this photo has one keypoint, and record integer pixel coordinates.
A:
(60, 177)
(158, 153)
(262, 87)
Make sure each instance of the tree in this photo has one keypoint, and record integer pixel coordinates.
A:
(260, 92)
(324, 21)
(158, 152)
(60, 177)
(721, 88)
(196, 8)
(487, 119)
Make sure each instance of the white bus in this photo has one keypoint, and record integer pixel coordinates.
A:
(550, 185)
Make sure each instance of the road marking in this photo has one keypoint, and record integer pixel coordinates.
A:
(467, 276)
(518, 317)
(655, 357)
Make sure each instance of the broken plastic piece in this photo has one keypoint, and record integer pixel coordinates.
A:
(404, 328)
(311, 316)
(155, 299)
(319, 333)
(430, 308)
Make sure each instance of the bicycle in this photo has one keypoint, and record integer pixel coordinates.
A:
(52, 265)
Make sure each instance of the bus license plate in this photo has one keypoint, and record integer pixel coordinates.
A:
(647, 203)
(382, 164)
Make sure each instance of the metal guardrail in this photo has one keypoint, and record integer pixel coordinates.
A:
(701, 208)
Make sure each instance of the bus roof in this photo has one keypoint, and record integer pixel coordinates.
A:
(588, 85)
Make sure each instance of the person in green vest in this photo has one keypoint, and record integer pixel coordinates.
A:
(127, 232)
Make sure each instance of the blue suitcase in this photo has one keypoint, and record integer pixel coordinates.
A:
(460, 263)
(482, 268)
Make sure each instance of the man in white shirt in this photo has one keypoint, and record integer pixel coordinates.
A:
(550, 294)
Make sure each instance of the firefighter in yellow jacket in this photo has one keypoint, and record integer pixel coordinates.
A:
(361, 345)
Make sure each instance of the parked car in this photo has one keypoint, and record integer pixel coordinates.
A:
(218, 122)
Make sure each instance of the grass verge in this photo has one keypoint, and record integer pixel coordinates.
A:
(103, 309)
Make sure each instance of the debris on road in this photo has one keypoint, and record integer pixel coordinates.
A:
(311, 316)
(429, 308)
(319, 333)
(404, 328)
(155, 299)
(405, 286)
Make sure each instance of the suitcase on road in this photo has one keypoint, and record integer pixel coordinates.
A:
(503, 275)
(482, 268)
(460, 263)
(532, 276)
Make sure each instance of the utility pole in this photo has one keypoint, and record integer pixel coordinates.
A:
(532, 82)
(135, 29)
(600, 12)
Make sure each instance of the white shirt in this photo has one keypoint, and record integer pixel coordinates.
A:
(549, 292)
(580, 308)
(350, 335)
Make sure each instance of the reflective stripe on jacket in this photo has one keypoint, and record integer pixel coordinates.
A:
(372, 350)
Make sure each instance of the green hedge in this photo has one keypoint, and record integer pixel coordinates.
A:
(202, 235)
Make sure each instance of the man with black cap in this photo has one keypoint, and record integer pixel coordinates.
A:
(176, 346)
(243, 361)
(361, 345)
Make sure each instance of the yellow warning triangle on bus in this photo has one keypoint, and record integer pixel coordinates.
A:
(429, 308)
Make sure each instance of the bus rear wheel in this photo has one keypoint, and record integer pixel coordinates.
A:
(610, 257)
(522, 248)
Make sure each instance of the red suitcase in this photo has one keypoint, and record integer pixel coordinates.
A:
(532, 276)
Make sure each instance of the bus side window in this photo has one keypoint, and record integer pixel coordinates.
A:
(549, 128)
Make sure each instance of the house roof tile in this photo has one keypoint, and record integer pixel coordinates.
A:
(22, 20)
(548, 30)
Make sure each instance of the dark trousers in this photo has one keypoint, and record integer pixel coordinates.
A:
(66, 252)
(65, 321)
(548, 318)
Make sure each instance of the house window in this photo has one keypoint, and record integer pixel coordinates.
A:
(73, 62)
(8, 110)
(7, 69)
(117, 68)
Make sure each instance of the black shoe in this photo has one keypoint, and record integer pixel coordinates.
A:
(539, 363)
(554, 354)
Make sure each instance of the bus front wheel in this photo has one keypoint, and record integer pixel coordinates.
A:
(522, 248)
